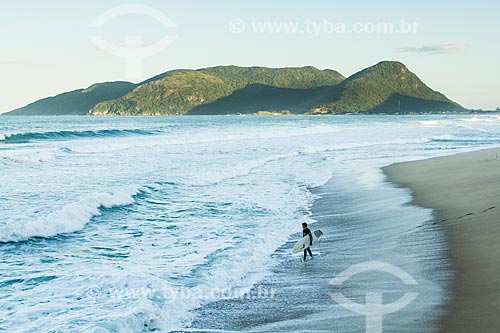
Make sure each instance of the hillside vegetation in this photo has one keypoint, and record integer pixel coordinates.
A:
(76, 102)
(387, 87)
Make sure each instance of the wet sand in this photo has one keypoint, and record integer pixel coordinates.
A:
(361, 223)
(464, 192)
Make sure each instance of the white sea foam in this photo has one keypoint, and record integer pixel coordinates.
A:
(112, 145)
(429, 122)
(203, 177)
(444, 137)
(240, 268)
(473, 119)
(32, 157)
(224, 197)
(72, 217)
(476, 119)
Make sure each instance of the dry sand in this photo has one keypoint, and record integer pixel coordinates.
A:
(464, 191)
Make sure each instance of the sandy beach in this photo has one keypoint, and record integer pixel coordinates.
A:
(464, 192)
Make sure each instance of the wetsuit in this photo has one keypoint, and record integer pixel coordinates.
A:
(305, 232)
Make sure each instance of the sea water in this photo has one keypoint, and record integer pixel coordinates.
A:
(128, 224)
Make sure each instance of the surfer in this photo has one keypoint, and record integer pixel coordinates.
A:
(306, 231)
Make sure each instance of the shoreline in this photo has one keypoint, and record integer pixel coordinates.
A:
(355, 222)
(464, 192)
(263, 113)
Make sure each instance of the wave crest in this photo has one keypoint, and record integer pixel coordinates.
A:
(72, 217)
(68, 135)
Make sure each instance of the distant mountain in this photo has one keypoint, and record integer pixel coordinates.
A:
(76, 102)
(387, 87)
(180, 91)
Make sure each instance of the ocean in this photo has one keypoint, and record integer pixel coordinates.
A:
(139, 224)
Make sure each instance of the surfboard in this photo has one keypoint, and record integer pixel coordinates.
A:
(304, 243)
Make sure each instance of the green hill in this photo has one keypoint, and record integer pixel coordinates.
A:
(76, 102)
(387, 87)
(300, 77)
(258, 97)
(180, 91)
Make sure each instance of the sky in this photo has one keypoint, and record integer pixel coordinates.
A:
(53, 46)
